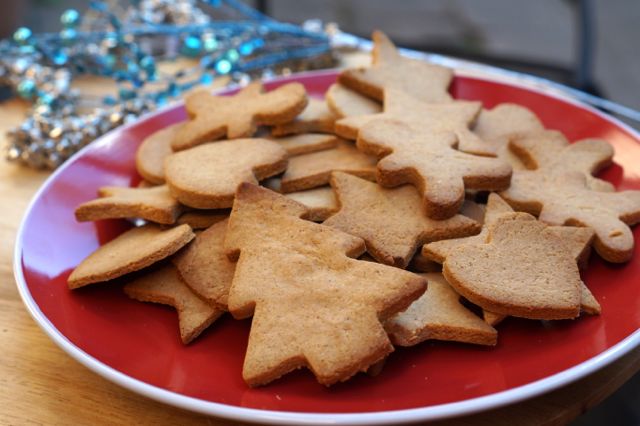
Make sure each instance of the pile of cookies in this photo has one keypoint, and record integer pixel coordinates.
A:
(376, 217)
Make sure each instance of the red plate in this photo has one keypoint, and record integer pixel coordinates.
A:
(138, 346)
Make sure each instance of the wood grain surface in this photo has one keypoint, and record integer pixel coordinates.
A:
(40, 384)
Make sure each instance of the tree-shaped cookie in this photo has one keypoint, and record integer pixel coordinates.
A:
(439, 315)
(154, 204)
(313, 305)
(389, 69)
(455, 117)
(390, 221)
(428, 160)
(164, 285)
(559, 193)
(237, 116)
(207, 176)
(519, 270)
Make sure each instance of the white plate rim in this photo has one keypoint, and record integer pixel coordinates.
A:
(435, 412)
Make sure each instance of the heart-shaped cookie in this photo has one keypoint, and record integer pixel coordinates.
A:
(518, 271)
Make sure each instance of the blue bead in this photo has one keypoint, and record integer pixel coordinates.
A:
(68, 35)
(173, 89)
(246, 48)
(70, 18)
(192, 46)
(223, 66)
(109, 62)
(27, 88)
(233, 55)
(210, 44)
(22, 35)
(59, 58)
(126, 94)
(46, 99)
(206, 79)
(148, 64)
(109, 100)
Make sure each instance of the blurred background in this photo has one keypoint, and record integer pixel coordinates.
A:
(589, 44)
(593, 45)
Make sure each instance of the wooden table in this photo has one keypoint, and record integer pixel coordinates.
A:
(40, 384)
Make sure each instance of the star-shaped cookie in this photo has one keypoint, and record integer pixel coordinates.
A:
(238, 116)
(439, 315)
(389, 69)
(390, 221)
(154, 204)
(164, 285)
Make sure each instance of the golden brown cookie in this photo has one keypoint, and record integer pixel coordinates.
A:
(544, 148)
(389, 69)
(237, 116)
(206, 177)
(202, 219)
(204, 266)
(313, 170)
(499, 125)
(306, 143)
(390, 221)
(558, 192)
(131, 251)
(421, 263)
(152, 152)
(430, 162)
(316, 117)
(518, 271)
(154, 204)
(320, 202)
(451, 117)
(344, 102)
(439, 315)
(312, 304)
(163, 285)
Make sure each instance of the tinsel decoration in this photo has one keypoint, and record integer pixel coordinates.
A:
(124, 41)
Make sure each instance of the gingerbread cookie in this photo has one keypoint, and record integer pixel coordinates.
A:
(202, 219)
(313, 170)
(344, 102)
(204, 266)
(312, 304)
(454, 117)
(320, 202)
(306, 143)
(558, 192)
(152, 152)
(207, 176)
(518, 271)
(129, 252)
(316, 117)
(389, 69)
(237, 116)
(429, 161)
(390, 221)
(439, 315)
(544, 148)
(164, 285)
(497, 126)
(154, 204)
